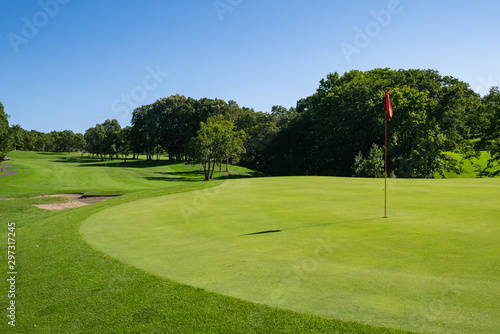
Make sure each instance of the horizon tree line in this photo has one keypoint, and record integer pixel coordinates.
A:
(336, 131)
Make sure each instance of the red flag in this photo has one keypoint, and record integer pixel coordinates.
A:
(388, 106)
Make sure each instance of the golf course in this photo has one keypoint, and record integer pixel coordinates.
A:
(244, 253)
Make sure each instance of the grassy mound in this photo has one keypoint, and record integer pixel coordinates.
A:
(320, 245)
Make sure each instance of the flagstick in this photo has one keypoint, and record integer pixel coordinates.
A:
(385, 166)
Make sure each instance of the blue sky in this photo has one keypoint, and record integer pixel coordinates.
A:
(69, 64)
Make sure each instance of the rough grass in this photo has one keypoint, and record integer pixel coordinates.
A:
(65, 286)
(320, 245)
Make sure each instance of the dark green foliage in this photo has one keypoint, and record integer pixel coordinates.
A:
(372, 166)
(55, 141)
(432, 115)
(94, 138)
(491, 140)
(215, 141)
(170, 123)
(5, 134)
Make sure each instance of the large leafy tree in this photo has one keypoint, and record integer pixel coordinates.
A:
(103, 139)
(371, 166)
(216, 140)
(112, 137)
(79, 141)
(142, 136)
(125, 139)
(432, 115)
(176, 124)
(18, 136)
(170, 123)
(491, 136)
(94, 139)
(5, 134)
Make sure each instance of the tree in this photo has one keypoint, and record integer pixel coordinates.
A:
(79, 142)
(432, 115)
(67, 141)
(233, 146)
(173, 124)
(18, 136)
(216, 140)
(282, 115)
(103, 139)
(94, 138)
(144, 134)
(43, 141)
(112, 137)
(64, 141)
(125, 138)
(491, 137)
(372, 166)
(5, 134)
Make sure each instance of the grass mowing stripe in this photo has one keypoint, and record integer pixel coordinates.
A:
(432, 266)
(52, 173)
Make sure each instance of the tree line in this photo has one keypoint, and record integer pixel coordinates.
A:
(339, 130)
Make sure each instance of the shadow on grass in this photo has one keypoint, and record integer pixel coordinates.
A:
(52, 153)
(199, 175)
(367, 220)
(193, 172)
(194, 176)
(130, 163)
(263, 232)
(247, 175)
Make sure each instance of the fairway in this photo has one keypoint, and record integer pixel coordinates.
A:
(54, 173)
(320, 245)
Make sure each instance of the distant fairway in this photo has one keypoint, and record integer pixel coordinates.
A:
(51, 173)
(320, 245)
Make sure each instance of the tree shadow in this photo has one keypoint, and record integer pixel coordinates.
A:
(193, 171)
(119, 163)
(172, 179)
(188, 176)
(366, 220)
(248, 175)
(199, 175)
(51, 153)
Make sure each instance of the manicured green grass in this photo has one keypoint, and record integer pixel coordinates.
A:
(65, 286)
(50, 173)
(320, 245)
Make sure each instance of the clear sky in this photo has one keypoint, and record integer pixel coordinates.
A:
(69, 64)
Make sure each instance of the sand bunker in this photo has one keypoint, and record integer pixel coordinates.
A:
(76, 201)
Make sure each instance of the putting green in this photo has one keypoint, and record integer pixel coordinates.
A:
(320, 245)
